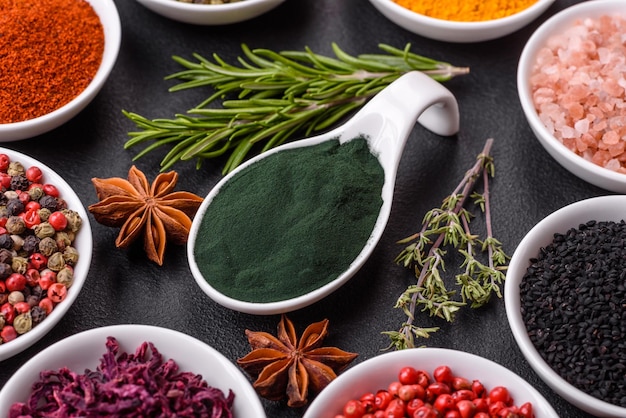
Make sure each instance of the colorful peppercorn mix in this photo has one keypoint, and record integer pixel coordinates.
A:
(37, 258)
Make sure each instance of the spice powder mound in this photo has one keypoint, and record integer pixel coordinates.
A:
(466, 10)
(50, 50)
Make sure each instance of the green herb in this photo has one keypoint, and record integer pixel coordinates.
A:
(444, 227)
(271, 97)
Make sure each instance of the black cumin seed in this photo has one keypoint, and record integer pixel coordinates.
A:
(573, 301)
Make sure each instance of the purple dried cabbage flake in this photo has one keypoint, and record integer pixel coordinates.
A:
(125, 385)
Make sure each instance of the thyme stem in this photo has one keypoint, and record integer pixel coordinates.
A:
(450, 226)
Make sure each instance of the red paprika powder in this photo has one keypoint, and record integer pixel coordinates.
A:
(50, 50)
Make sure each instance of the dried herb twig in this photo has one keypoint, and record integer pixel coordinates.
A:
(271, 97)
(443, 227)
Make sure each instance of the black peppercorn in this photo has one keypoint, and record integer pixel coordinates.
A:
(49, 202)
(37, 314)
(15, 207)
(6, 241)
(5, 270)
(6, 256)
(31, 243)
(19, 182)
(37, 291)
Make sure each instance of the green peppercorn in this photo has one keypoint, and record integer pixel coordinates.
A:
(15, 225)
(56, 261)
(74, 221)
(44, 214)
(19, 264)
(23, 323)
(66, 276)
(48, 246)
(44, 230)
(16, 169)
(63, 239)
(70, 255)
(35, 193)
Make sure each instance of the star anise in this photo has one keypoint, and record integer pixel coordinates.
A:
(283, 366)
(135, 205)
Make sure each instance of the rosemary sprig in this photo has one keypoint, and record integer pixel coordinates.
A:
(449, 227)
(271, 97)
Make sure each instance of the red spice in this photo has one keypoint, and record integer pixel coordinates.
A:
(50, 50)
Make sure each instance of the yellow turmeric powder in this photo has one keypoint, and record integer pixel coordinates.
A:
(466, 10)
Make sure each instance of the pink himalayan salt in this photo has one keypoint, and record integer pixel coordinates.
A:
(578, 87)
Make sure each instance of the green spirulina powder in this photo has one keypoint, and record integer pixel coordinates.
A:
(292, 222)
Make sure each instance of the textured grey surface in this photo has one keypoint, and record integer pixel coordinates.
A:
(124, 287)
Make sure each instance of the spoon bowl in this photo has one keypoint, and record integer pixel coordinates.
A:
(386, 122)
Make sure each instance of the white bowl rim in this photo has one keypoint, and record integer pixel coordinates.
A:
(205, 8)
(523, 15)
(84, 245)
(113, 39)
(430, 356)
(39, 362)
(536, 40)
(553, 223)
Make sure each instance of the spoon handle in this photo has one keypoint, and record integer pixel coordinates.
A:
(412, 97)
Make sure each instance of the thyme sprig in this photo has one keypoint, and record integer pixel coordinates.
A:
(271, 97)
(443, 228)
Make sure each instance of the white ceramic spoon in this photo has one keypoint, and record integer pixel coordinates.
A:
(386, 121)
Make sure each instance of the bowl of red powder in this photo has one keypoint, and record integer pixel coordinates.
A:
(462, 21)
(564, 296)
(56, 56)
(571, 84)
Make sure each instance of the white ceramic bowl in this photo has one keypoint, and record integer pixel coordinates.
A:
(110, 20)
(379, 371)
(83, 244)
(577, 165)
(461, 32)
(607, 208)
(211, 14)
(84, 350)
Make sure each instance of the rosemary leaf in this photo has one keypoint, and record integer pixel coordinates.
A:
(271, 97)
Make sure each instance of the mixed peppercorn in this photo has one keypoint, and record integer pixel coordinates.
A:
(417, 394)
(37, 258)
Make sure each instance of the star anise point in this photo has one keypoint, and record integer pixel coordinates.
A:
(138, 207)
(284, 367)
